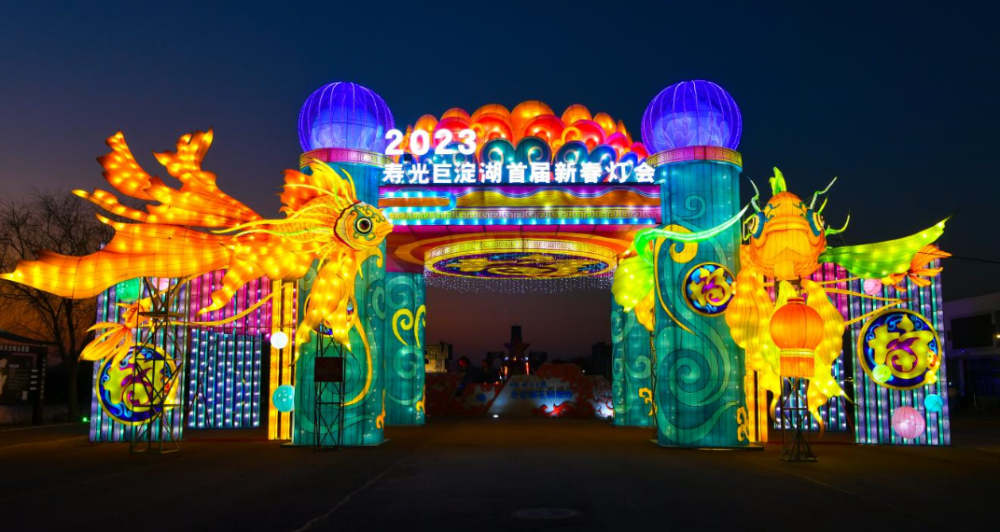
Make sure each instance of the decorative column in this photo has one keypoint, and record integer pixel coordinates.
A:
(344, 125)
(631, 369)
(403, 331)
(693, 128)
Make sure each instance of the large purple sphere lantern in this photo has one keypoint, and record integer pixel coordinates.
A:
(344, 115)
(691, 113)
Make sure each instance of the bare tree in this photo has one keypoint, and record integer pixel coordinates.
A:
(63, 223)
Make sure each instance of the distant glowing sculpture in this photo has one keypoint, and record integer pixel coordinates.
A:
(324, 221)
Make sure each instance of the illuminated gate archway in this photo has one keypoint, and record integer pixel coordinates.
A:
(525, 194)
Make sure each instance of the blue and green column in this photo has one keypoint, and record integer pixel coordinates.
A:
(699, 369)
(631, 370)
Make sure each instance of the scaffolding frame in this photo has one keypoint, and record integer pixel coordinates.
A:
(327, 426)
(161, 433)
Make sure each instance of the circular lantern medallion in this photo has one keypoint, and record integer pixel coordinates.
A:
(905, 343)
(126, 392)
(708, 288)
(520, 258)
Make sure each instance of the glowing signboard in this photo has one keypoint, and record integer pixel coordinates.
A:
(447, 161)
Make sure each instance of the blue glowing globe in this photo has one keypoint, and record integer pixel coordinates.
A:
(691, 113)
(933, 403)
(344, 115)
(284, 398)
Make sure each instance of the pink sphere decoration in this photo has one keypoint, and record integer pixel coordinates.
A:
(873, 286)
(908, 423)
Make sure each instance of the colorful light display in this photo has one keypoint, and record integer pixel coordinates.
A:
(785, 241)
(224, 370)
(874, 403)
(132, 382)
(484, 200)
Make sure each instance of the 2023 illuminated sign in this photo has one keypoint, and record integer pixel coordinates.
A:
(420, 142)
(447, 161)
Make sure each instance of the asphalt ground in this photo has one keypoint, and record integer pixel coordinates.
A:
(492, 475)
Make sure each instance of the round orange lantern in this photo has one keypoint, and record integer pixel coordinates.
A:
(526, 111)
(797, 329)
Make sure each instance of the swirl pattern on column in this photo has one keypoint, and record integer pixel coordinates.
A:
(406, 315)
(692, 380)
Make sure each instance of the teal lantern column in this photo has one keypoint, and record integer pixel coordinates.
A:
(344, 125)
(631, 369)
(403, 330)
(693, 129)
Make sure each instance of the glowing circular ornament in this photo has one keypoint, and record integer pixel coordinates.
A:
(908, 423)
(708, 288)
(903, 342)
(344, 115)
(881, 373)
(933, 403)
(128, 291)
(284, 398)
(873, 287)
(126, 392)
(691, 113)
(520, 258)
(279, 340)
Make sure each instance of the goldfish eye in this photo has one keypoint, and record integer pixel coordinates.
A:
(816, 222)
(363, 225)
(754, 226)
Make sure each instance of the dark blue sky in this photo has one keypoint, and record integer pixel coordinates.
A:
(898, 100)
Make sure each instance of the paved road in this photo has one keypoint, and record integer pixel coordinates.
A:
(476, 475)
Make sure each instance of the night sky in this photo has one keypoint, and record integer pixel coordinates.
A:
(897, 101)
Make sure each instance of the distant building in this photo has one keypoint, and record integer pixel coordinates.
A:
(600, 359)
(972, 335)
(436, 357)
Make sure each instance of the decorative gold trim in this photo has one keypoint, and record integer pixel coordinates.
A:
(696, 153)
(344, 155)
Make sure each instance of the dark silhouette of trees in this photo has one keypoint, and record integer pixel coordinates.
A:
(63, 223)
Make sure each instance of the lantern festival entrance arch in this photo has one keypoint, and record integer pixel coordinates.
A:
(714, 303)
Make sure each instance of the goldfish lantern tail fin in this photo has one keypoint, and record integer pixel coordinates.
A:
(198, 203)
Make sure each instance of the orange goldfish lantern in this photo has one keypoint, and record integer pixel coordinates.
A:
(786, 242)
(787, 236)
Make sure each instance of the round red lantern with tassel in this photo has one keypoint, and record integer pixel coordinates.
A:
(797, 329)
